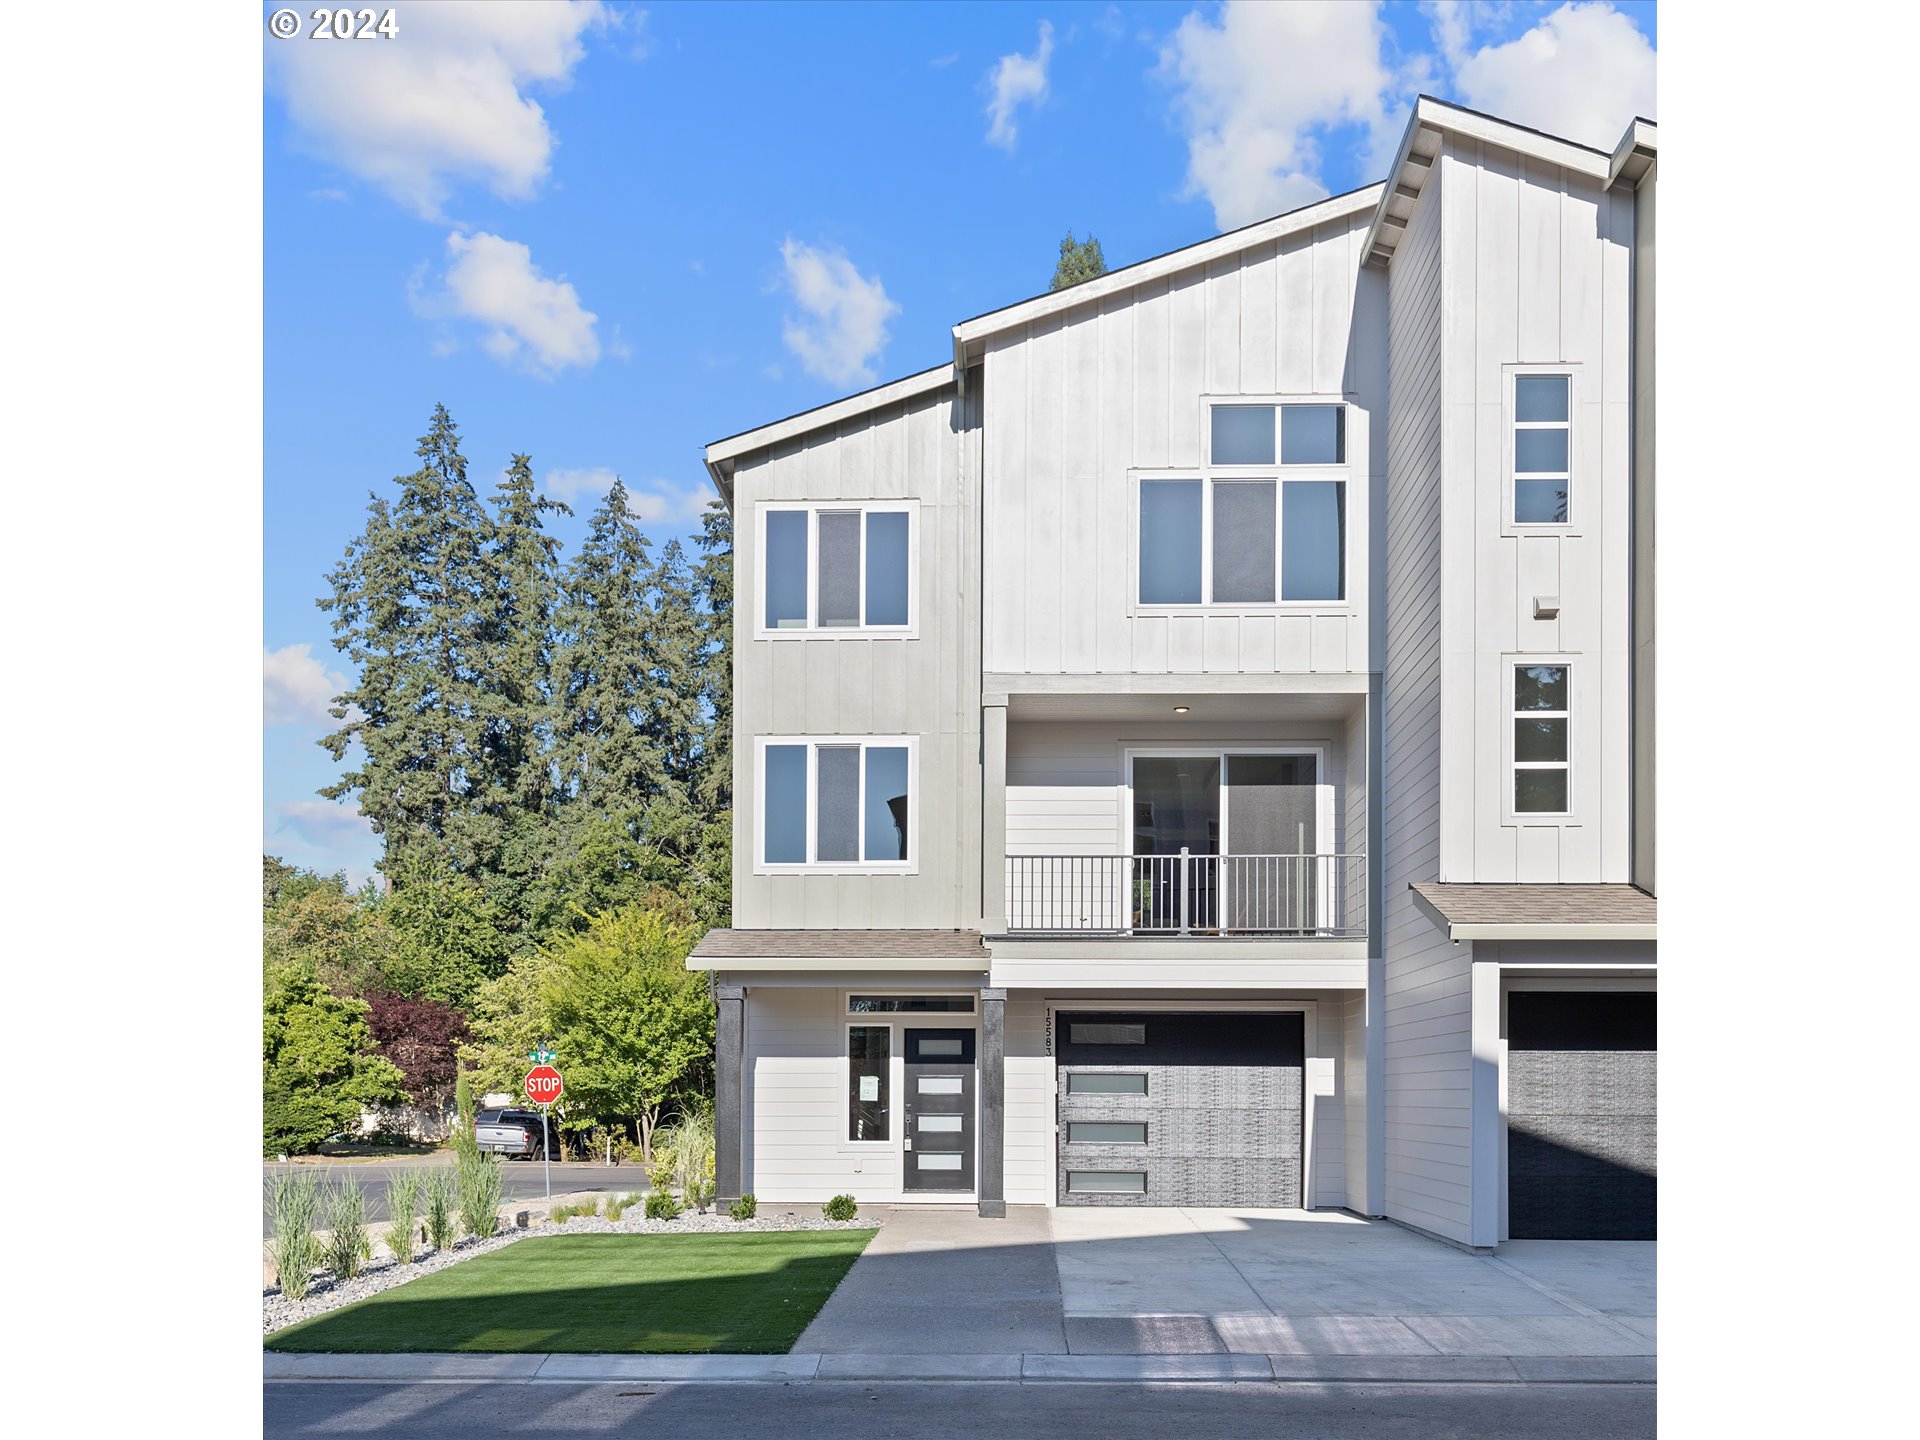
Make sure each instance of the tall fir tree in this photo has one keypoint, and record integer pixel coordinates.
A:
(410, 607)
(607, 750)
(713, 579)
(1079, 260)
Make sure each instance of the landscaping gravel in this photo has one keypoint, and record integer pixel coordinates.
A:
(325, 1294)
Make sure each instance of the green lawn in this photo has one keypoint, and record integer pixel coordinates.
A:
(746, 1293)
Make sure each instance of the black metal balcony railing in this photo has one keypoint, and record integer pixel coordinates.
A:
(1281, 895)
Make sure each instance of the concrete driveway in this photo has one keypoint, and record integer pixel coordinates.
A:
(1175, 1281)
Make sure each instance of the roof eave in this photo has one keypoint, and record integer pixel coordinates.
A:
(721, 453)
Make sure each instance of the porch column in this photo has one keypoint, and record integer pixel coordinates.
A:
(993, 817)
(729, 1034)
(992, 1185)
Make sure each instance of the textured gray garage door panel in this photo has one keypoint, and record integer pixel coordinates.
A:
(1582, 1123)
(1226, 1134)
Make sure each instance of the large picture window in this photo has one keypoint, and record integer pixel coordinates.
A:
(1235, 537)
(836, 804)
(832, 568)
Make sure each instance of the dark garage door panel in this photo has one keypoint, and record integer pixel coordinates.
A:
(1223, 1108)
(1582, 1115)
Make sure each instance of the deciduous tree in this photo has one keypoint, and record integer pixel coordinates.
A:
(320, 1067)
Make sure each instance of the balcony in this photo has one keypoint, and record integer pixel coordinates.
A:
(1271, 897)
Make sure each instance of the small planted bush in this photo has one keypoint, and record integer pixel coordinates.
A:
(347, 1243)
(293, 1207)
(403, 1209)
(482, 1184)
(840, 1207)
(745, 1208)
(662, 1206)
(440, 1207)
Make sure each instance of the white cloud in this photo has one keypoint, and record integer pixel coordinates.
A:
(1017, 80)
(664, 501)
(440, 103)
(650, 500)
(299, 688)
(527, 318)
(1583, 72)
(1254, 88)
(843, 325)
(323, 823)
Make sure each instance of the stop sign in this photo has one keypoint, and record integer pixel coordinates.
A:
(544, 1085)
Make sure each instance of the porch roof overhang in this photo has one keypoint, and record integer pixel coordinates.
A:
(1538, 912)
(792, 950)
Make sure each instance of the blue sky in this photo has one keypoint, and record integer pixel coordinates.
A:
(606, 235)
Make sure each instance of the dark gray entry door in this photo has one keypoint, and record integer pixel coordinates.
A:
(1582, 1115)
(1185, 1108)
(939, 1111)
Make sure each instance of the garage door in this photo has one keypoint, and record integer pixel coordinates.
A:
(1180, 1109)
(1581, 1115)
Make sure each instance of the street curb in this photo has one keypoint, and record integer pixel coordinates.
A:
(286, 1368)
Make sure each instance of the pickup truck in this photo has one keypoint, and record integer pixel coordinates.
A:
(513, 1133)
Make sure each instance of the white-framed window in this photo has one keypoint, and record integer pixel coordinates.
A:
(1542, 743)
(839, 567)
(838, 804)
(1540, 449)
(1263, 523)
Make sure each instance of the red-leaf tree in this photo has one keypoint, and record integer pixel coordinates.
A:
(422, 1037)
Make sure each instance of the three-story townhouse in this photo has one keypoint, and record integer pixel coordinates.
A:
(1196, 747)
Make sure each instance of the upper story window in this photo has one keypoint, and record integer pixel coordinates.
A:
(1542, 449)
(1541, 757)
(841, 804)
(837, 567)
(1234, 536)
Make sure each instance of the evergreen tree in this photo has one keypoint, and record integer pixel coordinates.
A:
(1079, 260)
(608, 752)
(411, 605)
(714, 586)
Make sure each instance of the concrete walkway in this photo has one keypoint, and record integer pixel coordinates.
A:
(1162, 1294)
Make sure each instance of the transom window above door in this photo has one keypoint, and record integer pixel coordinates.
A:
(831, 569)
(1264, 524)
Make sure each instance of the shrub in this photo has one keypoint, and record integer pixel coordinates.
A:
(293, 1204)
(662, 1206)
(683, 1156)
(403, 1207)
(465, 1146)
(347, 1243)
(440, 1205)
(614, 1209)
(840, 1207)
(745, 1208)
(482, 1184)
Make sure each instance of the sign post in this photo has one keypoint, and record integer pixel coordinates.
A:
(543, 1086)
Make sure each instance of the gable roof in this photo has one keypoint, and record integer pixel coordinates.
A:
(1433, 120)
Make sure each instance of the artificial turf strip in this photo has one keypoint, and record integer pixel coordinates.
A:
(743, 1293)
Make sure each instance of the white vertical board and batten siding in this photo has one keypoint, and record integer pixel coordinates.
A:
(825, 685)
(1077, 400)
(1425, 1007)
(1535, 272)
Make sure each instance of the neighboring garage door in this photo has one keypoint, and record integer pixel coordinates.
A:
(1180, 1109)
(1581, 1115)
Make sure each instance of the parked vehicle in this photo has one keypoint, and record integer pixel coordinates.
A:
(516, 1134)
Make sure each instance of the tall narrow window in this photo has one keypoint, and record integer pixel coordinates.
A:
(1542, 449)
(844, 567)
(869, 1050)
(837, 803)
(1170, 546)
(1540, 743)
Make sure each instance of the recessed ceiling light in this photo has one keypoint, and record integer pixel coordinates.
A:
(1179, 709)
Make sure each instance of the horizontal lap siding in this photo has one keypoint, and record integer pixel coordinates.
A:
(1076, 400)
(927, 687)
(1427, 1000)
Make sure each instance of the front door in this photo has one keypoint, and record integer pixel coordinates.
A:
(939, 1138)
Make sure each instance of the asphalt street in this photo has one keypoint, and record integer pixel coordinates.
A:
(525, 1179)
(962, 1412)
